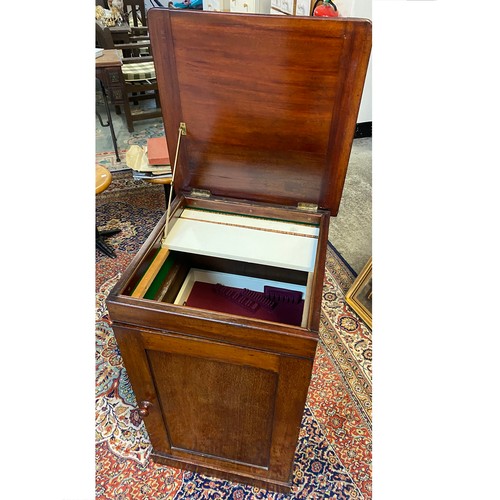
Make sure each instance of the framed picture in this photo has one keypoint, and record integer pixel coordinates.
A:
(359, 296)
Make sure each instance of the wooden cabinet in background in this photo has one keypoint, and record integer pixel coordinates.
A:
(216, 5)
(291, 7)
(241, 6)
(108, 70)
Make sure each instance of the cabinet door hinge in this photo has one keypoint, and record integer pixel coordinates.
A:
(200, 193)
(307, 207)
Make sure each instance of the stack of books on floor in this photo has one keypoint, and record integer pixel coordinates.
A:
(151, 162)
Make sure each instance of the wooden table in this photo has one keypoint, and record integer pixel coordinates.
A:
(109, 73)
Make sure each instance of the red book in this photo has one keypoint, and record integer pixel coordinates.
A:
(157, 151)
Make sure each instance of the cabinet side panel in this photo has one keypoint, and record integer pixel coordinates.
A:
(317, 285)
(224, 410)
(294, 378)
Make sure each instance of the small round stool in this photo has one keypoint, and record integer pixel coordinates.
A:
(102, 181)
(167, 186)
(102, 178)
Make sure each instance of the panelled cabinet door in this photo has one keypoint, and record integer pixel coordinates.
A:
(303, 8)
(216, 5)
(287, 6)
(245, 6)
(213, 5)
(250, 6)
(291, 7)
(216, 404)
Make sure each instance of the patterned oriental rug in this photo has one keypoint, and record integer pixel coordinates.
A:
(333, 456)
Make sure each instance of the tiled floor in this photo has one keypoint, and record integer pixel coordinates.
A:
(351, 231)
(124, 139)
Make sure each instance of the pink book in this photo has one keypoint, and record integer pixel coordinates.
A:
(157, 151)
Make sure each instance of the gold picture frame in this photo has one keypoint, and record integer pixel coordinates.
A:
(359, 296)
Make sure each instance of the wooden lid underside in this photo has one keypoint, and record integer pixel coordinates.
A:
(269, 102)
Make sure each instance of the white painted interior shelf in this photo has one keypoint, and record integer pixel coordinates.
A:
(261, 241)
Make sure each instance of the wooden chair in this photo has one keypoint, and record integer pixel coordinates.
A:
(138, 74)
(135, 13)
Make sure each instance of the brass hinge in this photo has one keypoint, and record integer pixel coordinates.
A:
(307, 207)
(200, 193)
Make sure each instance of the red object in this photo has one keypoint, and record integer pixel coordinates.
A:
(274, 304)
(157, 151)
(326, 9)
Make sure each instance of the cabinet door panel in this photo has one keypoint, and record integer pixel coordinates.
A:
(212, 5)
(244, 6)
(303, 8)
(215, 408)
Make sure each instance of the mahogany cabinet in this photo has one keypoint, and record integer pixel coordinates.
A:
(260, 129)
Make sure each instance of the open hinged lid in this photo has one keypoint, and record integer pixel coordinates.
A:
(269, 102)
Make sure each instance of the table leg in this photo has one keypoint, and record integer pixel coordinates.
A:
(110, 121)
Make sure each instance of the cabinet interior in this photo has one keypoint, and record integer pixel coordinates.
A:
(236, 264)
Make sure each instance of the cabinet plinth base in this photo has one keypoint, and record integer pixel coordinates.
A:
(200, 468)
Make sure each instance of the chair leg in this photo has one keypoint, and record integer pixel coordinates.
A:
(127, 110)
(110, 120)
(130, 122)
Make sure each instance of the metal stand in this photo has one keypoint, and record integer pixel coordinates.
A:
(102, 245)
(110, 121)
